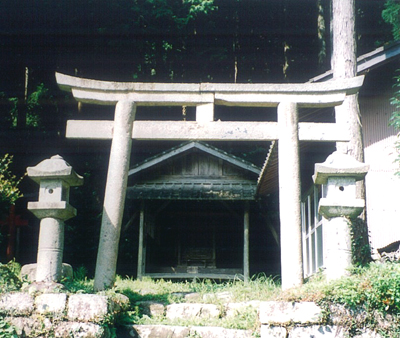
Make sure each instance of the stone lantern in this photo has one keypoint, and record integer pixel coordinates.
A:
(339, 174)
(55, 177)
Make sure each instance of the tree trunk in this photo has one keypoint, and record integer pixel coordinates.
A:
(344, 65)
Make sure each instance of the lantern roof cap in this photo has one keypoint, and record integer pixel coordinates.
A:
(339, 165)
(55, 168)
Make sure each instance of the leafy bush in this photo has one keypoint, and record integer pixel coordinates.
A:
(9, 192)
(7, 330)
(391, 15)
(9, 280)
(374, 288)
(395, 118)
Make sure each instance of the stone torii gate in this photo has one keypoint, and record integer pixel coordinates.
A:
(126, 96)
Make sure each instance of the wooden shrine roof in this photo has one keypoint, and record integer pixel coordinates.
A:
(193, 171)
(205, 190)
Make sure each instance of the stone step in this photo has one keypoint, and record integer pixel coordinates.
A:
(163, 331)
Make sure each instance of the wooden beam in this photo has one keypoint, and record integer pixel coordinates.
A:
(210, 131)
(140, 265)
(246, 243)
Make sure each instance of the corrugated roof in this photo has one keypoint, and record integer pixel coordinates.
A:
(200, 190)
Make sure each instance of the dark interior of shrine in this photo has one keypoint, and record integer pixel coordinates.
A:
(184, 236)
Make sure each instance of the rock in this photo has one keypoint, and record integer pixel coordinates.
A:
(367, 333)
(273, 332)
(316, 331)
(151, 309)
(218, 332)
(31, 326)
(223, 296)
(162, 331)
(80, 330)
(286, 312)
(192, 297)
(43, 287)
(119, 302)
(51, 303)
(233, 309)
(16, 304)
(87, 308)
(158, 331)
(187, 311)
(28, 271)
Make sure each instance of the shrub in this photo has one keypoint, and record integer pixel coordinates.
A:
(9, 280)
(9, 192)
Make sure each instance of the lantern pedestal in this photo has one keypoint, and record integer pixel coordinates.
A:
(55, 177)
(339, 174)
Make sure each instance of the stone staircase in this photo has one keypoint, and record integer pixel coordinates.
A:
(190, 311)
(275, 319)
(54, 313)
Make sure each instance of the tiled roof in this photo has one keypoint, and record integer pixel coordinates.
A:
(201, 190)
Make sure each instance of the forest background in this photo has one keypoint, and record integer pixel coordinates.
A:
(243, 41)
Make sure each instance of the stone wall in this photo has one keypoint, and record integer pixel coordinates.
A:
(60, 314)
(308, 320)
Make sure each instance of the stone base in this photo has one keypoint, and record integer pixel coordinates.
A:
(28, 271)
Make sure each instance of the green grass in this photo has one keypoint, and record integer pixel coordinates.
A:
(374, 288)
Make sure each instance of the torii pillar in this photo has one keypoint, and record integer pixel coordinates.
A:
(288, 131)
(115, 193)
(289, 195)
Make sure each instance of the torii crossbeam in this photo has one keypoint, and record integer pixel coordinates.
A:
(288, 131)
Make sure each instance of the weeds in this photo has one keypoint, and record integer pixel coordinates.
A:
(370, 296)
(9, 280)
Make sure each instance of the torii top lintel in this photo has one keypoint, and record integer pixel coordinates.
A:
(324, 94)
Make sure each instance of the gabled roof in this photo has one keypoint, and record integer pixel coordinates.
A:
(185, 147)
(201, 188)
(368, 61)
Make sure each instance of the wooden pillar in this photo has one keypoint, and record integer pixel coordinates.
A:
(114, 199)
(246, 247)
(289, 195)
(140, 265)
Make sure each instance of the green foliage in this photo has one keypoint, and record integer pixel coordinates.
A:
(391, 15)
(197, 7)
(395, 101)
(80, 283)
(375, 287)
(9, 280)
(39, 108)
(9, 192)
(35, 106)
(7, 330)
(395, 118)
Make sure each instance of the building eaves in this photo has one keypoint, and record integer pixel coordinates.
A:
(200, 190)
(184, 147)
